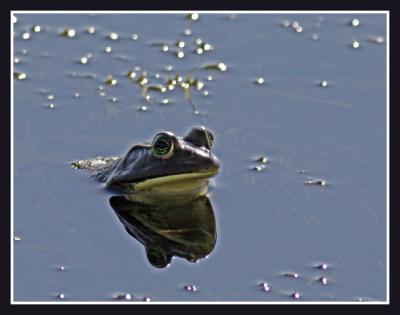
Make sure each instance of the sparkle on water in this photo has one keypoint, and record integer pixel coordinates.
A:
(91, 30)
(262, 159)
(26, 36)
(265, 287)
(296, 295)
(36, 28)
(69, 32)
(324, 83)
(113, 36)
(260, 81)
(355, 44)
(355, 22)
(20, 75)
(323, 280)
(191, 288)
(193, 16)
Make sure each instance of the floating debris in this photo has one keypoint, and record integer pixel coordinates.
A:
(262, 159)
(113, 100)
(164, 101)
(123, 296)
(50, 97)
(315, 36)
(142, 80)
(135, 36)
(51, 106)
(299, 29)
(20, 75)
(146, 299)
(265, 287)
(317, 182)
(108, 49)
(323, 280)
(190, 288)
(355, 22)
(68, 32)
(61, 268)
(180, 43)
(61, 296)
(26, 35)
(260, 81)
(193, 16)
(142, 108)
(112, 36)
(322, 266)
(91, 30)
(207, 47)
(131, 75)
(219, 66)
(84, 60)
(158, 88)
(293, 275)
(323, 83)
(296, 295)
(258, 168)
(111, 81)
(168, 68)
(17, 238)
(355, 44)
(377, 40)
(180, 54)
(285, 23)
(36, 28)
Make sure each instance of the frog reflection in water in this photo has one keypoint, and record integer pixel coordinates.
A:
(186, 230)
(164, 184)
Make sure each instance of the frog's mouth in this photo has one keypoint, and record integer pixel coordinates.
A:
(195, 182)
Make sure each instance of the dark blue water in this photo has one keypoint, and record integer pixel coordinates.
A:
(268, 223)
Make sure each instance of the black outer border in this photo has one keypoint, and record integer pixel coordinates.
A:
(169, 5)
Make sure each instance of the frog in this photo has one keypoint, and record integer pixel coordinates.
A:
(168, 165)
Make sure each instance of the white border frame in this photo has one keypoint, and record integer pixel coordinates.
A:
(387, 13)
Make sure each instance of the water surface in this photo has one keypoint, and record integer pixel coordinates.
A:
(270, 224)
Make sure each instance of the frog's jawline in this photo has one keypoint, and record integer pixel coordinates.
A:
(193, 183)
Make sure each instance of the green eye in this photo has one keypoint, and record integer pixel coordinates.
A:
(162, 145)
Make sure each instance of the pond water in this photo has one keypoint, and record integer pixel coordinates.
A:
(307, 91)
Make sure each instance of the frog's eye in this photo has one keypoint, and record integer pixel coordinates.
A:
(162, 146)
